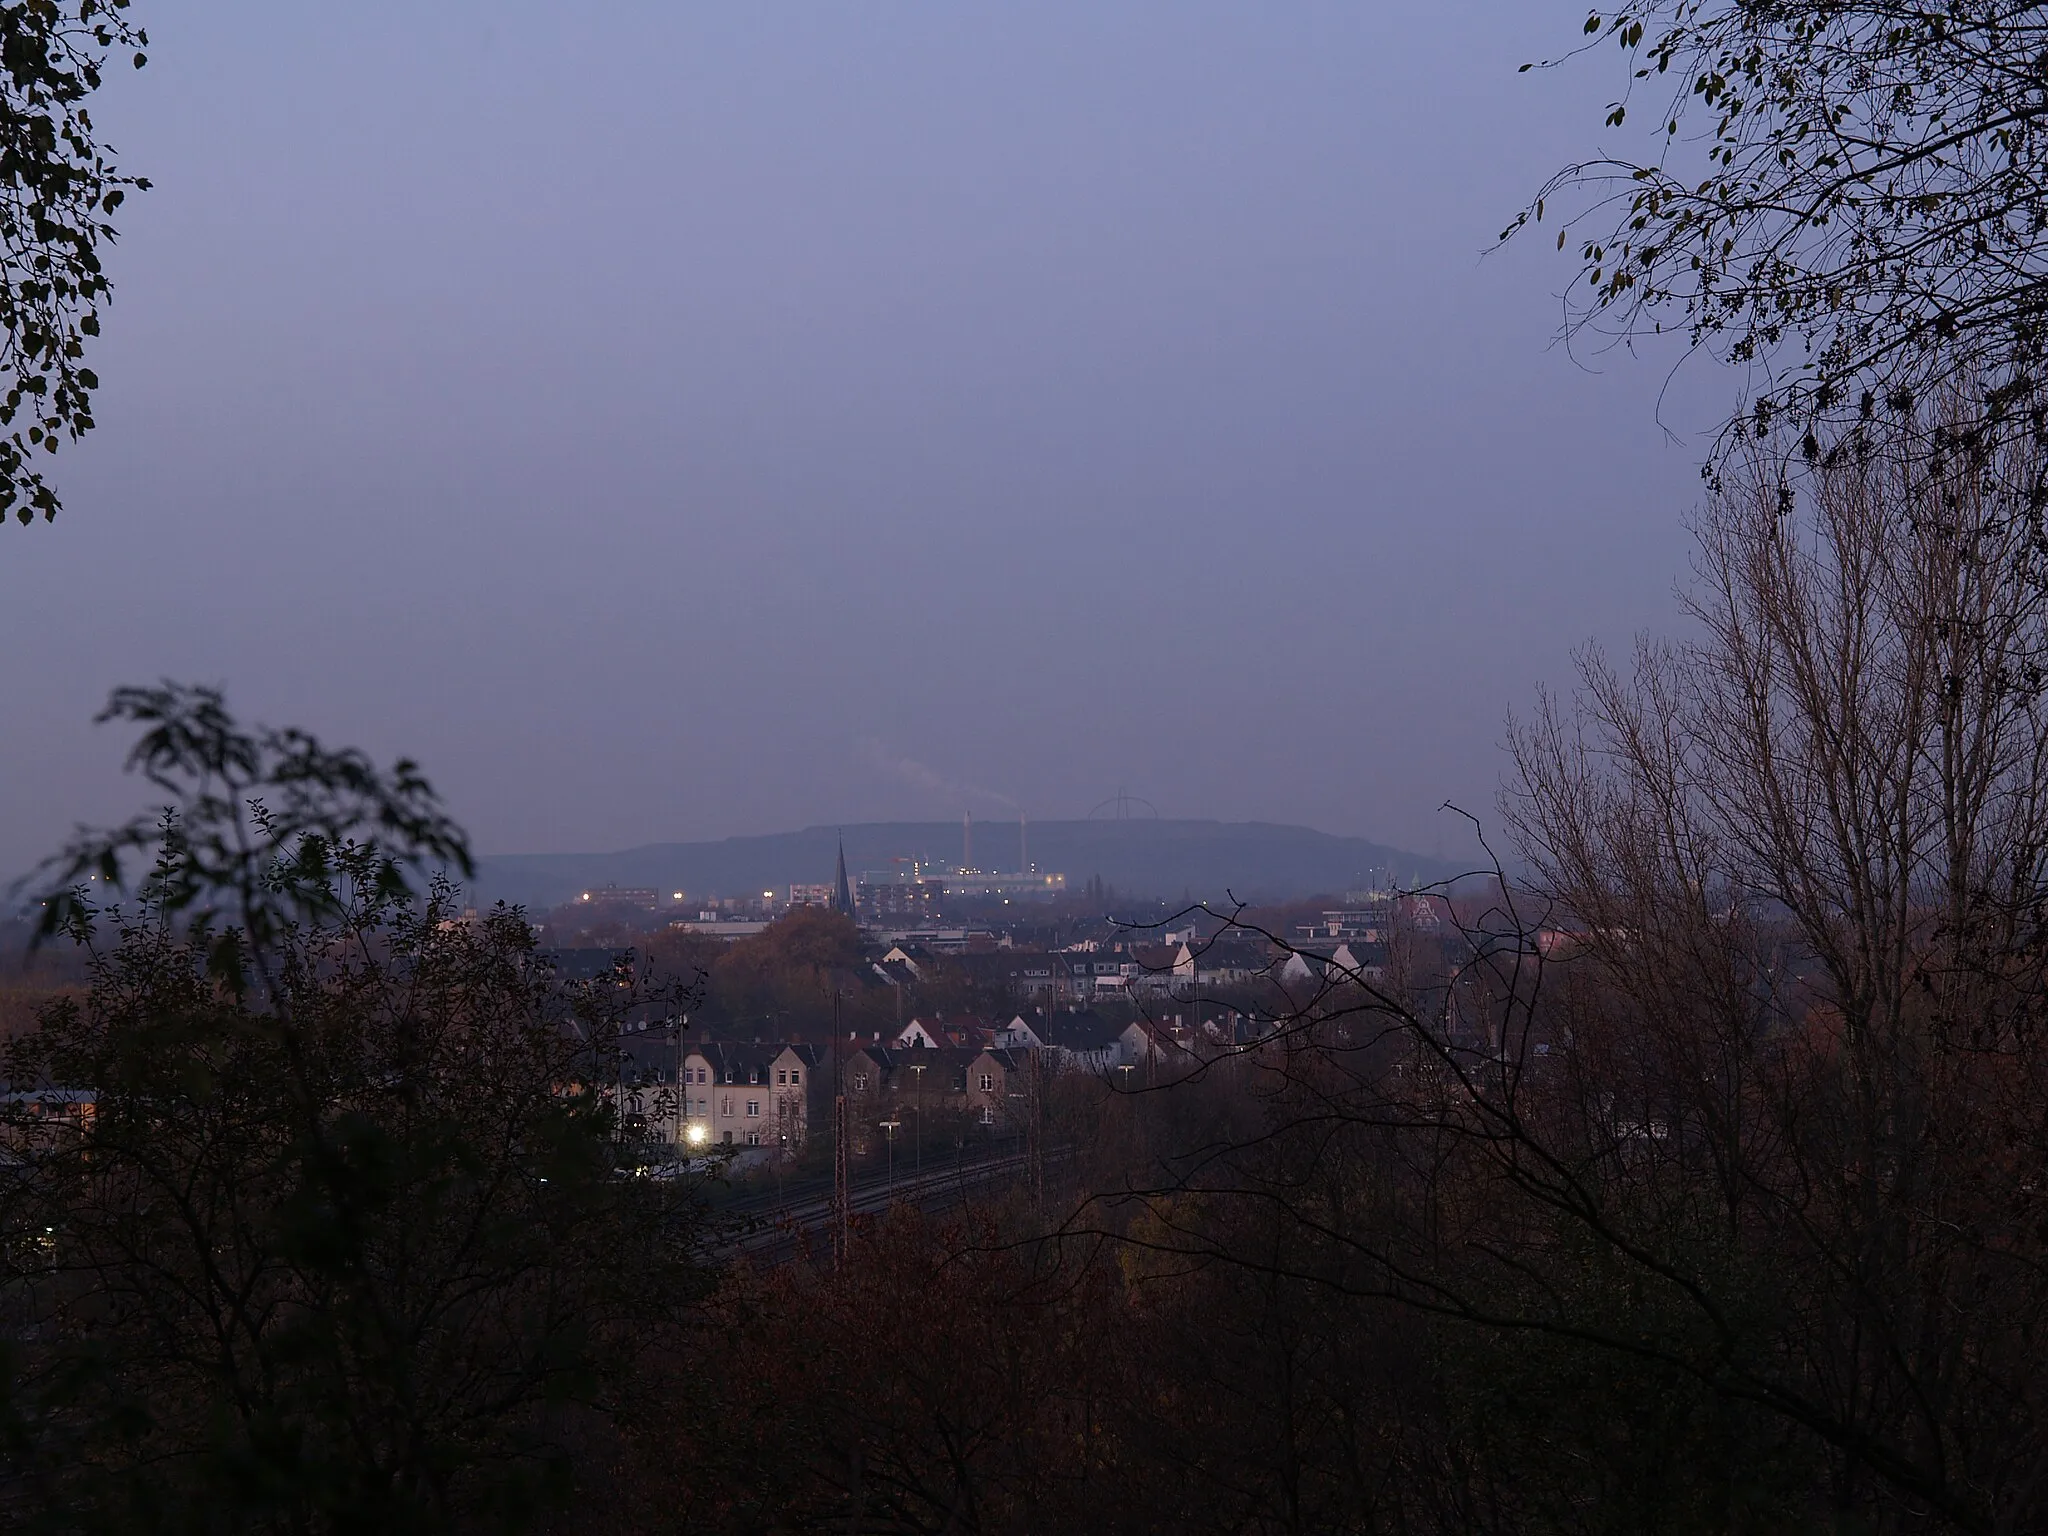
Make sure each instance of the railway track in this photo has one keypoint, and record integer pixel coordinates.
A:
(774, 1227)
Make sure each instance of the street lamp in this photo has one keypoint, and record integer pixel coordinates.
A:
(891, 1125)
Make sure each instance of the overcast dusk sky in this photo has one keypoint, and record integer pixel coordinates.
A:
(668, 420)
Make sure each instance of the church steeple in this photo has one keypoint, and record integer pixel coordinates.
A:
(842, 893)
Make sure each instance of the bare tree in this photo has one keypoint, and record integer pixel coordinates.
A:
(1731, 1116)
(1806, 852)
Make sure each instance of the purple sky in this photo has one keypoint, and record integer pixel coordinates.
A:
(667, 421)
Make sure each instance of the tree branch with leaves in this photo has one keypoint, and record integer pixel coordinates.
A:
(1842, 200)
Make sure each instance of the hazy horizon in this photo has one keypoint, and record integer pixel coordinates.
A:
(1199, 860)
(674, 423)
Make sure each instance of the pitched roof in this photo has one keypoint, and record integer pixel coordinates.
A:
(730, 1056)
(1077, 1031)
(960, 1030)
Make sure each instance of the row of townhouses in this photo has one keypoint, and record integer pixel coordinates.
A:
(728, 1094)
(1180, 969)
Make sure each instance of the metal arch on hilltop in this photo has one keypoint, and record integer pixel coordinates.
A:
(1123, 801)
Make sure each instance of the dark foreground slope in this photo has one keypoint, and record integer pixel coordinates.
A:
(1147, 858)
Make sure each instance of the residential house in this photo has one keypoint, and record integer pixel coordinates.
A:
(35, 1119)
(1019, 1035)
(1151, 1045)
(1041, 977)
(1346, 965)
(1153, 968)
(996, 1083)
(870, 1079)
(1080, 1041)
(1295, 969)
(748, 1095)
(1095, 973)
(936, 1033)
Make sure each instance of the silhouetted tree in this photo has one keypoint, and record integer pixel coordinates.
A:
(342, 1241)
(1841, 199)
(1715, 1169)
(58, 190)
(790, 971)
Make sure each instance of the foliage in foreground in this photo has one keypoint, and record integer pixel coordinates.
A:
(1840, 198)
(58, 191)
(334, 1237)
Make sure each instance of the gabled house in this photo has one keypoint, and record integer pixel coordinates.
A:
(1018, 1035)
(936, 1033)
(1295, 968)
(1153, 967)
(899, 957)
(1082, 1042)
(898, 968)
(864, 1073)
(996, 1078)
(747, 1095)
(918, 1036)
(1149, 1043)
(1346, 966)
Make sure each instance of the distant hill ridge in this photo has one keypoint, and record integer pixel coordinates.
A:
(1255, 860)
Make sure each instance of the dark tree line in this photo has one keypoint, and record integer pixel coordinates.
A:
(327, 1230)
(1717, 1167)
